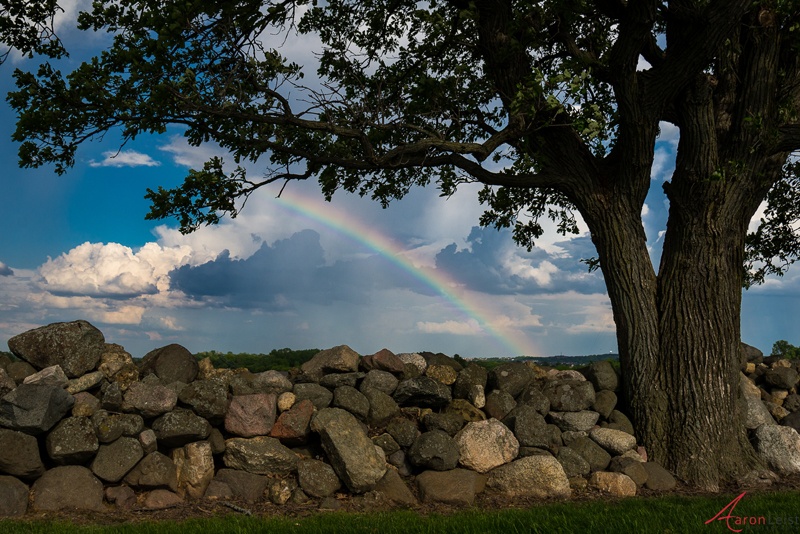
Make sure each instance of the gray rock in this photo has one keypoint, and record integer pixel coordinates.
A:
(122, 496)
(271, 381)
(792, 402)
(403, 430)
(593, 453)
(243, 485)
(448, 422)
(620, 421)
(150, 400)
(528, 426)
(49, 376)
(382, 407)
(498, 403)
(628, 466)
(208, 399)
(353, 455)
(111, 426)
(161, 499)
(386, 442)
(72, 441)
(533, 396)
(317, 478)
(341, 359)
(422, 391)
(75, 346)
(412, 358)
(658, 478)
(750, 353)
(85, 382)
(469, 377)
(19, 455)
(383, 360)
(13, 497)
(393, 487)
(6, 383)
(350, 399)
(792, 420)
(442, 359)
(251, 415)
(111, 397)
(569, 395)
(19, 371)
(86, 404)
(512, 377)
(573, 463)
(380, 380)
(779, 447)
(602, 376)
(604, 402)
(319, 396)
(615, 442)
(68, 487)
(34, 408)
(335, 380)
(179, 427)
(484, 445)
(154, 471)
(456, 487)
(434, 450)
(261, 455)
(533, 476)
(113, 461)
(781, 377)
(172, 363)
(581, 421)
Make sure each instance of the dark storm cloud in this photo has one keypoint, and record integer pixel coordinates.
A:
(289, 271)
(487, 265)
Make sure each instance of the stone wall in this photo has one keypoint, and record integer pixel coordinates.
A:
(83, 426)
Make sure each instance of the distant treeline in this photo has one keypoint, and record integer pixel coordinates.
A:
(278, 359)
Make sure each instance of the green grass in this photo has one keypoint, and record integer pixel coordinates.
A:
(628, 516)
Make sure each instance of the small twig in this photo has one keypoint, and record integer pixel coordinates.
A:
(239, 509)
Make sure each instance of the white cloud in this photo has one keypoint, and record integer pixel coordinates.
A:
(125, 158)
(541, 274)
(98, 269)
(469, 328)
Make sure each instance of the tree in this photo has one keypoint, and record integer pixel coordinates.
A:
(784, 349)
(27, 26)
(542, 102)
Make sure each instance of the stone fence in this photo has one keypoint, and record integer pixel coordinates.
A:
(83, 426)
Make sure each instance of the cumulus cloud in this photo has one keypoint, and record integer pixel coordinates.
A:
(468, 328)
(5, 270)
(125, 158)
(112, 270)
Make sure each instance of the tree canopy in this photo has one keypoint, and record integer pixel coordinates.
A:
(555, 106)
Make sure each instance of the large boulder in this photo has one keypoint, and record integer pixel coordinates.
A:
(341, 359)
(568, 395)
(19, 455)
(194, 464)
(150, 400)
(581, 421)
(380, 380)
(383, 360)
(382, 407)
(34, 408)
(350, 399)
(13, 497)
(616, 484)
(528, 426)
(435, 450)
(512, 377)
(49, 376)
(353, 455)
(72, 441)
(247, 383)
(251, 415)
(532, 476)
(422, 391)
(484, 445)
(111, 426)
(456, 487)
(779, 447)
(602, 376)
(155, 470)
(614, 441)
(208, 399)
(319, 396)
(179, 427)
(473, 375)
(173, 363)
(68, 487)
(261, 455)
(293, 424)
(113, 461)
(75, 346)
(317, 478)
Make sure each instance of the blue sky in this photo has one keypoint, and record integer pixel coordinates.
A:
(419, 275)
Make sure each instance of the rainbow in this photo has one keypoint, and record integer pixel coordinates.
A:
(346, 224)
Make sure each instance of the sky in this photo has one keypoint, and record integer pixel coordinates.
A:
(300, 272)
